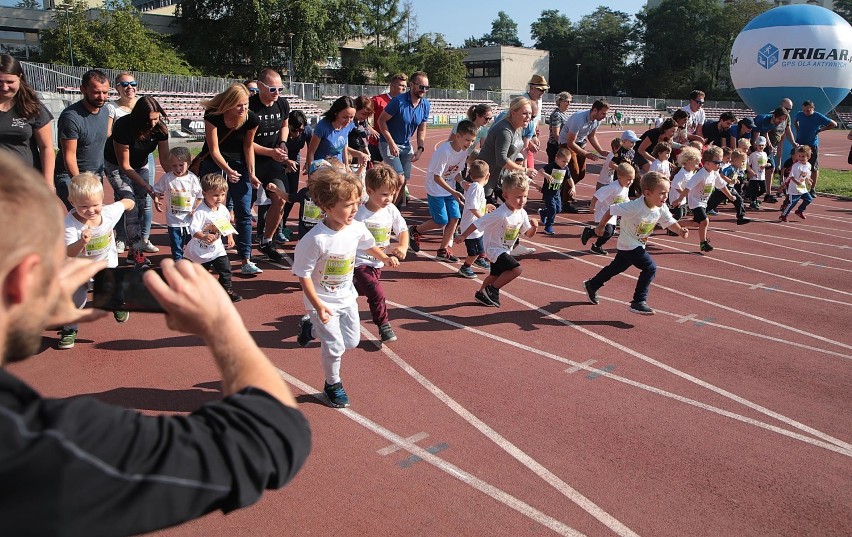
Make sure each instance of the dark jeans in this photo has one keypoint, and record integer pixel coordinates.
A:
(178, 238)
(240, 194)
(716, 198)
(124, 188)
(551, 150)
(624, 259)
(222, 267)
(292, 187)
(552, 205)
(368, 283)
(794, 199)
(609, 231)
(755, 189)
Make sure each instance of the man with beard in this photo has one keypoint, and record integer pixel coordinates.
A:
(82, 467)
(82, 129)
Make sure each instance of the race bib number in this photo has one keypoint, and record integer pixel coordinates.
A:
(224, 226)
(618, 199)
(644, 229)
(337, 272)
(311, 213)
(381, 233)
(98, 245)
(761, 161)
(510, 235)
(802, 187)
(180, 202)
(556, 178)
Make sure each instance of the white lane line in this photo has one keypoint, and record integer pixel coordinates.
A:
(393, 448)
(831, 444)
(574, 369)
(785, 239)
(771, 258)
(839, 219)
(558, 250)
(451, 469)
(786, 247)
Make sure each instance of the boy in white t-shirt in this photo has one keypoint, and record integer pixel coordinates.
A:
(605, 177)
(700, 187)
(183, 191)
(210, 222)
(475, 206)
(661, 153)
(758, 162)
(382, 219)
(501, 228)
(689, 160)
(324, 262)
(443, 199)
(89, 233)
(638, 218)
(799, 183)
(612, 194)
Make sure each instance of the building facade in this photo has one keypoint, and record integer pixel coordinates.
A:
(506, 69)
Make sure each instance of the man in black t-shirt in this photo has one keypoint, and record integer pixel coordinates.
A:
(716, 132)
(271, 152)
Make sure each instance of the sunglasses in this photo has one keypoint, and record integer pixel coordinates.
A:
(125, 84)
(424, 88)
(717, 162)
(274, 89)
(253, 90)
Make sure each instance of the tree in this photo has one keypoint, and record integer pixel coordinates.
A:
(504, 31)
(383, 19)
(844, 9)
(474, 42)
(409, 31)
(444, 65)
(603, 44)
(555, 33)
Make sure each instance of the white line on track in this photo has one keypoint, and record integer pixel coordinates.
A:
(785, 239)
(787, 247)
(449, 468)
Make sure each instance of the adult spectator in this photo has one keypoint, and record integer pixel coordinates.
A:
(503, 147)
(361, 131)
(809, 123)
(681, 138)
(126, 86)
(272, 110)
(532, 143)
(479, 115)
(135, 137)
(229, 129)
(24, 119)
(649, 140)
(557, 118)
(775, 127)
(251, 85)
(619, 116)
(695, 109)
(331, 135)
(405, 114)
(83, 130)
(580, 129)
(716, 132)
(397, 85)
(98, 469)
(742, 129)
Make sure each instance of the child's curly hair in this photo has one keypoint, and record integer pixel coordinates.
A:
(328, 187)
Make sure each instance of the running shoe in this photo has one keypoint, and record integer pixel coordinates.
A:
(414, 238)
(67, 337)
(713, 212)
(801, 215)
(120, 247)
(386, 333)
(271, 253)
(641, 308)
(598, 250)
(783, 218)
(520, 249)
(336, 395)
(743, 220)
(446, 254)
(548, 230)
(466, 272)
(482, 263)
(593, 293)
(494, 294)
(587, 234)
(305, 331)
(705, 247)
(233, 296)
(147, 247)
(121, 316)
(482, 297)
(250, 269)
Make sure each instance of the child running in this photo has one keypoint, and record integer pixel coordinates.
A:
(184, 195)
(325, 262)
(638, 218)
(800, 181)
(661, 153)
(757, 164)
(210, 222)
(382, 218)
(554, 174)
(475, 207)
(689, 160)
(612, 194)
(605, 177)
(446, 164)
(501, 228)
(89, 233)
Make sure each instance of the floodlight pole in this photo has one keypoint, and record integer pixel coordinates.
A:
(578, 79)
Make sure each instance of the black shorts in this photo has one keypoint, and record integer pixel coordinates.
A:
(503, 264)
(474, 246)
(699, 214)
(271, 171)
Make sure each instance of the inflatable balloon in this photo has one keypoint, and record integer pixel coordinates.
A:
(797, 51)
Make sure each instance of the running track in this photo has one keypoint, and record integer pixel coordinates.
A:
(727, 413)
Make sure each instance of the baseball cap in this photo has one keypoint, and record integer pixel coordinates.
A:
(317, 164)
(760, 141)
(629, 135)
(748, 122)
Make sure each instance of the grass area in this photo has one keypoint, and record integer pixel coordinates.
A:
(836, 182)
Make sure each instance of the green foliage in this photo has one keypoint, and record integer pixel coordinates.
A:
(115, 39)
(504, 31)
(383, 21)
(474, 42)
(844, 9)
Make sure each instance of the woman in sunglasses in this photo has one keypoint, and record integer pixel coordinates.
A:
(125, 85)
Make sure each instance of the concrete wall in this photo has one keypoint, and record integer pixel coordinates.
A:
(517, 65)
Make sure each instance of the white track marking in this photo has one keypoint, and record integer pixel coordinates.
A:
(785, 239)
(451, 469)
(787, 247)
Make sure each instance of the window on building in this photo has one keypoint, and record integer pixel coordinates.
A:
(483, 69)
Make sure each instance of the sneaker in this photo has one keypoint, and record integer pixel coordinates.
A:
(757, 204)
(336, 395)
(67, 337)
(598, 250)
(548, 230)
(520, 249)
(271, 253)
(466, 272)
(813, 193)
(705, 246)
(743, 220)
(801, 215)
(769, 198)
(783, 218)
(233, 296)
(137, 258)
(482, 263)
(641, 308)
(414, 238)
(250, 268)
(121, 316)
(386, 333)
(445, 254)
(282, 237)
(482, 297)
(587, 234)
(713, 212)
(494, 294)
(593, 293)
(570, 209)
(784, 205)
(306, 331)
(147, 247)
(120, 247)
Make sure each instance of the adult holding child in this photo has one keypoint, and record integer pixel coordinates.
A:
(581, 129)
(649, 140)
(24, 119)
(229, 130)
(504, 145)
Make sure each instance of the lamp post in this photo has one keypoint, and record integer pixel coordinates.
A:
(70, 47)
(290, 60)
(578, 79)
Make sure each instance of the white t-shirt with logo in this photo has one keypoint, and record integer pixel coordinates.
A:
(215, 222)
(699, 117)
(611, 194)
(474, 198)
(446, 163)
(802, 172)
(381, 225)
(501, 228)
(663, 167)
(679, 183)
(638, 221)
(327, 257)
(102, 244)
(756, 163)
(179, 197)
(701, 185)
(606, 174)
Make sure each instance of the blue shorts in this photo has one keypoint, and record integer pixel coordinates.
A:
(443, 208)
(474, 246)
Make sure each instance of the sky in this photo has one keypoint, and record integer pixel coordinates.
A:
(460, 19)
